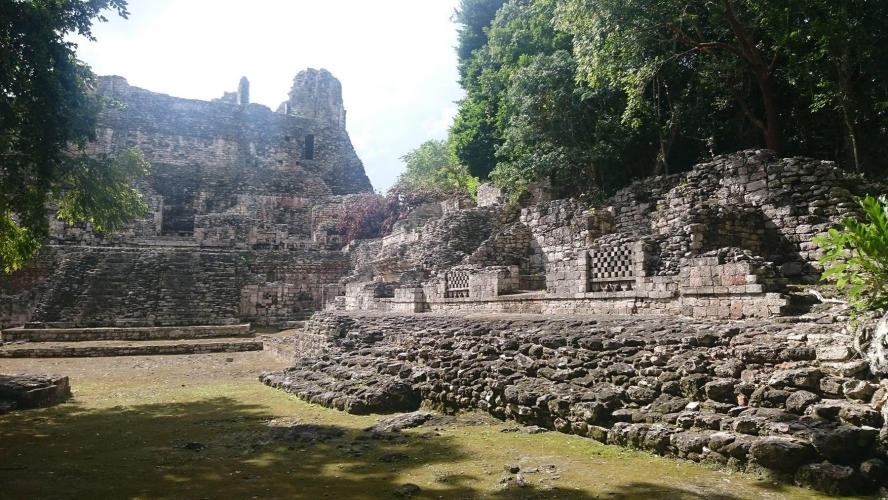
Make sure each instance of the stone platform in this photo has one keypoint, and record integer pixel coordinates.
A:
(124, 348)
(787, 398)
(120, 333)
(20, 392)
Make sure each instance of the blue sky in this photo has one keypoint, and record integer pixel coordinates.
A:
(395, 59)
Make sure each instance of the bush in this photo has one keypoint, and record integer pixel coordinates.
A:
(857, 257)
(372, 215)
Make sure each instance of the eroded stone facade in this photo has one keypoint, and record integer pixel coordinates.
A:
(720, 241)
(239, 226)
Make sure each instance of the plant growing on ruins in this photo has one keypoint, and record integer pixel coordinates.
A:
(431, 167)
(362, 218)
(857, 256)
(48, 113)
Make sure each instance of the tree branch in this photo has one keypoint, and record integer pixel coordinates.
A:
(748, 112)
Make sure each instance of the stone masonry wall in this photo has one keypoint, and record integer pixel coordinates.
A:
(789, 399)
(769, 205)
(235, 196)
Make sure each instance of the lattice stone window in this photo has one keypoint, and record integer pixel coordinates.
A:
(456, 284)
(612, 270)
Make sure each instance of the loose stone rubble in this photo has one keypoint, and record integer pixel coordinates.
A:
(754, 394)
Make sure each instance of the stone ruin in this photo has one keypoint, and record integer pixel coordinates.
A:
(671, 317)
(726, 240)
(22, 392)
(241, 202)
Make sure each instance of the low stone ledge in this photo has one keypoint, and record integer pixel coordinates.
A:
(123, 333)
(745, 394)
(134, 350)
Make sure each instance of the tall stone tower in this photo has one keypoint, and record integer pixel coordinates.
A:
(317, 95)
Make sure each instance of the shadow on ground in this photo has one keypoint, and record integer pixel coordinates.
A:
(222, 448)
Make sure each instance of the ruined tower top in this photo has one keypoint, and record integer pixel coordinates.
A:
(316, 95)
(243, 91)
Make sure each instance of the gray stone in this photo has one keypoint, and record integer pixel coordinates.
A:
(828, 478)
(782, 454)
(799, 400)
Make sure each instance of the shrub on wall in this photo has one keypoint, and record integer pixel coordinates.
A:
(372, 215)
(857, 257)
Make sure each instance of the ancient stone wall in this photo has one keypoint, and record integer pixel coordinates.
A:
(124, 286)
(722, 240)
(786, 398)
(241, 202)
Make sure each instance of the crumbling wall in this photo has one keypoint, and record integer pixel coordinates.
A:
(721, 241)
(230, 235)
(771, 206)
(787, 398)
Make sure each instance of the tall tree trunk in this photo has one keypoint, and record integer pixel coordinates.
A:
(772, 131)
(849, 124)
(764, 76)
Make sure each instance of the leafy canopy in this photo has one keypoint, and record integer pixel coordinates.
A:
(658, 85)
(857, 256)
(48, 112)
(431, 167)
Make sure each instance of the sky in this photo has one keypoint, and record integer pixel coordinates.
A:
(395, 58)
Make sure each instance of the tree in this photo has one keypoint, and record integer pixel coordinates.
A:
(473, 16)
(628, 43)
(835, 59)
(519, 31)
(48, 113)
(430, 166)
(567, 133)
(818, 64)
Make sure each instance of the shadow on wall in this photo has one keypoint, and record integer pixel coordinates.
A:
(220, 447)
(750, 229)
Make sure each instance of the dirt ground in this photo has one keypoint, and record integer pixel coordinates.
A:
(202, 426)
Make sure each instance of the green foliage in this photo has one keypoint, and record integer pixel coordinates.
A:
(564, 132)
(48, 111)
(97, 190)
(473, 17)
(474, 137)
(719, 76)
(431, 167)
(592, 93)
(858, 256)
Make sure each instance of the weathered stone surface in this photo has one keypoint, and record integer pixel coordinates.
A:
(859, 414)
(20, 392)
(844, 444)
(877, 348)
(829, 478)
(799, 400)
(721, 241)
(241, 225)
(405, 421)
(781, 454)
(522, 368)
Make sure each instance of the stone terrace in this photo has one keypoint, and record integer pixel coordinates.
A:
(788, 398)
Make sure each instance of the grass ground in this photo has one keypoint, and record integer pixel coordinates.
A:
(204, 427)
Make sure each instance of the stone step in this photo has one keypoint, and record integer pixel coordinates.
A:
(123, 333)
(101, 348)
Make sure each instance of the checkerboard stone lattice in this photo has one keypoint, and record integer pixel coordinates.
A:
(611, 269)
(457, 284)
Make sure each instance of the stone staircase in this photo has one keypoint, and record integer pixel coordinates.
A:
(96, 286)
(31, 342)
